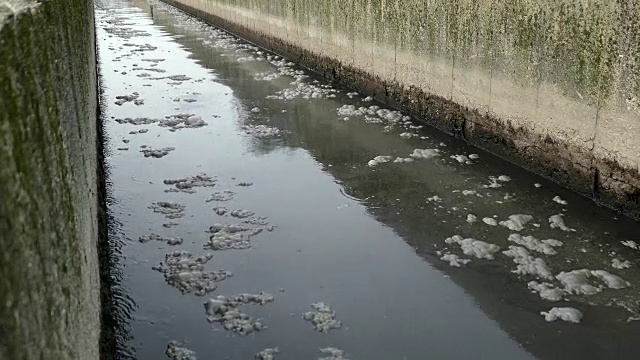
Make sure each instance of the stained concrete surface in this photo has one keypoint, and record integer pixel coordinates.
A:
(49, 203)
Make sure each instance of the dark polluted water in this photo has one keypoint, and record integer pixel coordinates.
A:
(267, 214)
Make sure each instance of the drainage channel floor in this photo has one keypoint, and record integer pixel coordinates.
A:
(267, 214)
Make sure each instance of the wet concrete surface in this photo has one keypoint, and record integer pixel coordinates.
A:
(346, 216)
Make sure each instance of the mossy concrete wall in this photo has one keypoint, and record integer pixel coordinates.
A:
(49, 282)
(553, 85)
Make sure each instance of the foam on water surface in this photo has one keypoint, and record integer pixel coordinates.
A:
(473, 247)
(516, 222)
(527, 264)
(186, 272)
(454, 260)
(224, 310)
(557, 222)
(531, 243)
(176, 351)
(322, 317)
(567, 314)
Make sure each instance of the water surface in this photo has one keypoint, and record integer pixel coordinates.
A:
(366, 240)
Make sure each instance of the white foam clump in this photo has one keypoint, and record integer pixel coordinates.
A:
(576, 281)
(224, 310)
(375, 115)
(403, 160)
(187, 184)
(380, 159)
(477, 248)
(181, 121)
(632, 244)
(323, 317)
(408, 135)
(490, 221)
(261, 131)
(137, 121)
(612, 281)
(424, 153)
(176, 351)
(241, 214)
(516, 222)
(391, 116)
(157, 153)
(434, 198)
(471, 218)
(619, 264)
(255, 110)
(470, 192)
(454, 260)
(494, 182)
(185, 271)
(334, 354)
(567, 314)
(531, 243)
(462, 159)
(267, 354)
(559, 200)
(557, 222)
(299, 88)
(527, 264)
(546, 290)
(170, 210)
(155, 237)
(351, 110)
(474, 156)
(121, 99)
(231, 236)
(266, 76)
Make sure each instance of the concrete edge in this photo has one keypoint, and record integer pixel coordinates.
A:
(605, 181)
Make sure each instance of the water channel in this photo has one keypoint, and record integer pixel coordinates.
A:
(259, 208)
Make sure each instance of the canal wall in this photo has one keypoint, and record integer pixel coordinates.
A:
(49, 181)
(550, 85)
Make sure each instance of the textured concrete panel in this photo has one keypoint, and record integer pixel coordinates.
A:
(50, 290)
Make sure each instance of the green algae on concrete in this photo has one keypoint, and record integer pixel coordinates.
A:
(50, 289)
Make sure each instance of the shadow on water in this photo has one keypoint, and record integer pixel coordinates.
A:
(396, 196)
(117, 306)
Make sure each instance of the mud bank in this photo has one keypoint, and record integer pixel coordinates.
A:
(479, 72)
(49, 181)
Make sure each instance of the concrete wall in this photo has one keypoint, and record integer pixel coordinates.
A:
(49, 283)
(553, 85)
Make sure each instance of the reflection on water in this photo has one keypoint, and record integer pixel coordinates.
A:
(341, 227)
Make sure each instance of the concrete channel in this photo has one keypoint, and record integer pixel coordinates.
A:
(261, 207)
(332, 179)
